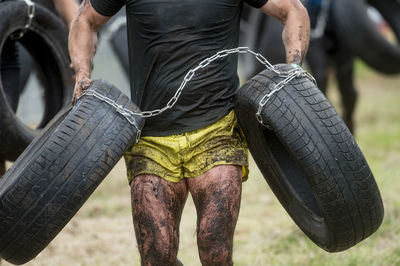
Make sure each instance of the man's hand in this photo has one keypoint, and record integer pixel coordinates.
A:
(82, 82)
(82, 45)
(296, 33)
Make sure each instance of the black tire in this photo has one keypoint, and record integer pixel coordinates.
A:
(270, 42)
(46, 41)
(250, 24)
(390, 10)
(264, 35)
(358, 31)
(310, 160)
(56, 174)
(49, 4)
(119, 44)
(26, 69)
(117, 34)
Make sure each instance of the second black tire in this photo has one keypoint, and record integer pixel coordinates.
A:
(59, 170)
(356, 28)
(310, 160)
(46, 41)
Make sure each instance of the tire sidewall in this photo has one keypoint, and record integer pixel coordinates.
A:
(16, 135)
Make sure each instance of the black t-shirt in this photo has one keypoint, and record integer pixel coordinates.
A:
(166, 39)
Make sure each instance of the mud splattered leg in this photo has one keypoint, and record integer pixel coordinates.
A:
(216, 195)
(157, 208)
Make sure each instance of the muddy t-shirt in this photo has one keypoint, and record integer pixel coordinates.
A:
(166, 39)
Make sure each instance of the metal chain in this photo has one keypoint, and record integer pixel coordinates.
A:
(288, 76)
(297, 71)
(30, 16)
(128, 114)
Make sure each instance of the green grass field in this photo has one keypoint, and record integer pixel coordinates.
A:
(102, 233)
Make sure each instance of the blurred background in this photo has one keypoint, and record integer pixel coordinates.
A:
(102, 233)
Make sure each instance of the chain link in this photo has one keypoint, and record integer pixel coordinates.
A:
(297, 71)
(288, 76)
(128, 114)
(30, 15)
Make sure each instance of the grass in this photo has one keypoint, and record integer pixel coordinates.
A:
(102, 233)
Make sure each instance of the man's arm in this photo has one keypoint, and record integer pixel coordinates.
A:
(296, 32)
(67, 9)
(83, 43)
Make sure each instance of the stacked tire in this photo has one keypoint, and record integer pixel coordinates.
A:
(353, 24)
(357, 29)
(46, 42)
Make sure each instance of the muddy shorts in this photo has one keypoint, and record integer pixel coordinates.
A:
(190, 154)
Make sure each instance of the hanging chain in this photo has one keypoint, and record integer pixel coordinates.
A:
(30, 15)
(128, 114)
(288, 76)
(297, 71)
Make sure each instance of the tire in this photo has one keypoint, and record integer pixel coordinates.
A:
(116, 32)
(250, 23)
(270, 42)
(357, 30)
(263, 34)
(59, 170)
(27, 66)
(49, 4)
(310, 160)
(390, 10)
(46, 42)
(119, 44)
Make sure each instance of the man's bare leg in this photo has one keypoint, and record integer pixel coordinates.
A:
(216, 195)
(157, 207)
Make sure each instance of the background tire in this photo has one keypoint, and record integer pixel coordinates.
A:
(310, 160)
(263, 34)
(46, 42)
(49, 4)
(356, 28)
(56, 174)
(116, 32)
(250, 27)
(119, 44)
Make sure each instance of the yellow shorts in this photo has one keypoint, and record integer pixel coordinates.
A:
(190, 154)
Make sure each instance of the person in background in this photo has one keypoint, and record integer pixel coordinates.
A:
(195, 147)
(325, 50)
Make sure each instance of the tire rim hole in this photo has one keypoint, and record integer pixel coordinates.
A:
(294, 177)
(35, 100)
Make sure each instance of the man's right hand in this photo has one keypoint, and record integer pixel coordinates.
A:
(296, 34)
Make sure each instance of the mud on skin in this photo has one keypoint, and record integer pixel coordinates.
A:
(296, 57)
(157, 208)
(217, 199)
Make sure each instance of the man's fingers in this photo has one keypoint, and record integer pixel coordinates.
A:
(84, 84)
(81, 85)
